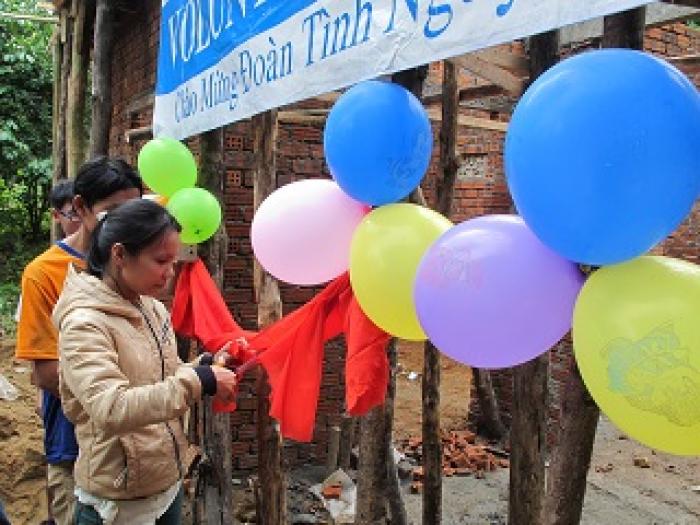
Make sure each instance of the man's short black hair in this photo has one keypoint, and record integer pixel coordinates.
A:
(61, 193)
(102, 177)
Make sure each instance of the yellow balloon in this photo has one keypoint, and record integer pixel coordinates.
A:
(384, 255)
(637, 344)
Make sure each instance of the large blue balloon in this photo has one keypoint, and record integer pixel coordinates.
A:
(603, 154)
(378, 142)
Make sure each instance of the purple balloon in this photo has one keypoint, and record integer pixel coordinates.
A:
(489, 294)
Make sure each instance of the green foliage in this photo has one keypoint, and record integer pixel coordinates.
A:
(26, 89)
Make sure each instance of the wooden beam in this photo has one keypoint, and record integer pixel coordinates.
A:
(77, 84)
(504, 58)
(689, 64)
(29, 17)
(273, 481)
(140, 103)
(318, 116)
(102, 78)
(530, 380)
(468, 93)
(656, 14)
(218, 489)
(471, 122)
(579, 413)
(491, 72)
(144, 132)
(685, 3)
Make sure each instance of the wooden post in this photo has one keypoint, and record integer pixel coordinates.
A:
(102, 78)
(490, 423)
(397, 508)
(273, 484)
(77, 81)
(529, 425)
(566, 487)
(624, 29)
(333, 449)
(372, 471)
(217, 502)
(571, 460)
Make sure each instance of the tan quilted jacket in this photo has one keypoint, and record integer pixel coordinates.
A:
(124, 387)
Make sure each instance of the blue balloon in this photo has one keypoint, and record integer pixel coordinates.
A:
(602, 154)
(378, 142)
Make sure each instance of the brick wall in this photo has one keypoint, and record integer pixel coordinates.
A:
(480, 189)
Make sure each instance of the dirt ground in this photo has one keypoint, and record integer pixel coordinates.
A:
(22, 470)
(666, 492)
(455, 382)
(619, 493)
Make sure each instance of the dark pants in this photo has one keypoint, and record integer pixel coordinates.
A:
(3, 517)
(87, 515)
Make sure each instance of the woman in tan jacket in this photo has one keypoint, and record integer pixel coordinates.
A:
(121, 381)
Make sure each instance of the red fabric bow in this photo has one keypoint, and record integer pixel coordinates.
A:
(291, 350)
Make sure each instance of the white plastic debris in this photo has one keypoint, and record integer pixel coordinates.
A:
(412, 376)
(7, 390)
(342, 510)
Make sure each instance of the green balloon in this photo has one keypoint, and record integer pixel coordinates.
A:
(166, 166)
(198, 212)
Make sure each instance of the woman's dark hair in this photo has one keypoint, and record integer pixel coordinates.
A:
(102, 177)
(60, 194)
(136, 225)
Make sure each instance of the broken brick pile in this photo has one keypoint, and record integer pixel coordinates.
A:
(461, 456)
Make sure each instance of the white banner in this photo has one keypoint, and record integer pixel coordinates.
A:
(225, 60)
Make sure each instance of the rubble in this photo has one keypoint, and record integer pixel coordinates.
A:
(461, 456)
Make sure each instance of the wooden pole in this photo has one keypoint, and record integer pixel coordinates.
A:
(217, 503)
(529, 425)
(77, 81)
(397, 508)
(490, 423)
(372, 471)
(571, 461)
(102, 78)
(273, 483)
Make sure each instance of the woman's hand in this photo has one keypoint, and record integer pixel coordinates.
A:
(226, 384)
(223, 358)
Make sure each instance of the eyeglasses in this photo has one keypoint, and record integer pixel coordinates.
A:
(71, 215)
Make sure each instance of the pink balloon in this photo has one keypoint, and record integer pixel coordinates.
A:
(301, 233)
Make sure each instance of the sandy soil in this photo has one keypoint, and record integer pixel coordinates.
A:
(22, 467)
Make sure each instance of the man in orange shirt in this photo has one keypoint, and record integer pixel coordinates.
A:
(101, 184)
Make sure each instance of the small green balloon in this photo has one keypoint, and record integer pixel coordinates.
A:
(166, 166)
(198, 212)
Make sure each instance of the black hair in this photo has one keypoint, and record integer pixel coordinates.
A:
(101, 177)
(61, 193)
(136, 224)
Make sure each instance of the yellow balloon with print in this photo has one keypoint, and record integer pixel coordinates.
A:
(384, 255)
(637, 344)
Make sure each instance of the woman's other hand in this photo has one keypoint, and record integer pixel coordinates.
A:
(226, 384)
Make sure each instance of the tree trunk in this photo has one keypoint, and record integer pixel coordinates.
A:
(490, 423)
(396, 506)
(372, 471)
(77, 81)
(273, 484)
(529, 425)
(566, 483)
(579, 414)
(101, 78)
(217, 501)
(432, 443)
(61, 64)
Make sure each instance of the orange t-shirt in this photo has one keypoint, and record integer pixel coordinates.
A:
(42, 282)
